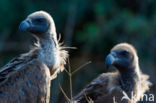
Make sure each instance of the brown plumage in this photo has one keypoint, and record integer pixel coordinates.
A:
(114, 87)
(26, 78)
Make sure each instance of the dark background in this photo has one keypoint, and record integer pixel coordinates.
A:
(93, 26)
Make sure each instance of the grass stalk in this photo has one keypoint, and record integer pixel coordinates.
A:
(70, 74)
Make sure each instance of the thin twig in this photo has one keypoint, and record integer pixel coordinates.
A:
(71, 87)
(66, 97)
(80, 67)
(114, 100)
(64, 47)
(70, 74)
(89, 100)
(70, 80)
(86, 97)
(67, 71)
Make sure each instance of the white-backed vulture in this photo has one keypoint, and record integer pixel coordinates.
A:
(113, 87)
(26, 78)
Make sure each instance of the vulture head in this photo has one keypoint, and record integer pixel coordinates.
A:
(39, 23)
(122, 56)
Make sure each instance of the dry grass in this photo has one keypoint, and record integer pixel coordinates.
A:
(70, 74)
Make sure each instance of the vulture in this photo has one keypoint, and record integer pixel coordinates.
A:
(26, 78)
(125, 85)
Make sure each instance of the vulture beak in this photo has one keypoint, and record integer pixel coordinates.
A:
(110, 59)
(24, 26)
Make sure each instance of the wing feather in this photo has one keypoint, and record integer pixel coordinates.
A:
(14, 65)
(30, 84)
(104, 89)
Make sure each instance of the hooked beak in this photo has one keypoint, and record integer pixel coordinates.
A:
(110, 59)
(24, 26)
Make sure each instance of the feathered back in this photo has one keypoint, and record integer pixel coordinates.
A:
(104, 89)
(29, 84)
(15, 65)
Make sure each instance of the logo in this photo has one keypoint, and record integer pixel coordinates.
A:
(145, 97)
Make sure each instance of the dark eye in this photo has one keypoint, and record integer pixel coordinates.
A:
(124, 53)
(39, 20)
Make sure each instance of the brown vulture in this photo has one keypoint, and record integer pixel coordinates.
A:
(115, 87)
(26, 78)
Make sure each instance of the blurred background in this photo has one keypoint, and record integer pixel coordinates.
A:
(93, 26)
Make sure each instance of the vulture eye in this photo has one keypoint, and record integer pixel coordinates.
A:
(39, 20)
(124, 53)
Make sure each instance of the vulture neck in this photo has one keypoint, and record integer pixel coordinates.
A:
(48, 50)
(129, 79)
